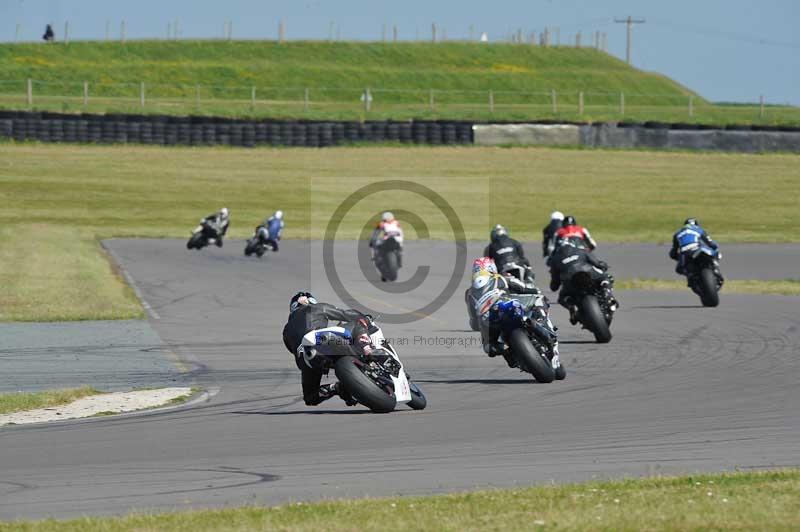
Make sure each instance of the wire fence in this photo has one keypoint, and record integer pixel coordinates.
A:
(362, 101)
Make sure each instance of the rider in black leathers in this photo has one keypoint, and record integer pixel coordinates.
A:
(564, 262)
(504, 250)
(549, 233)
(307, 315)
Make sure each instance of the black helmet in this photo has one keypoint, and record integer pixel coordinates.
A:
(294, 304)
(691, 221)
(497, 231)
(568, 220)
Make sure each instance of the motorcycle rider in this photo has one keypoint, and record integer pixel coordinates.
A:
(507, 252)
(687, 239)
(549, 233)
(219, 222)
(388, 227)
(306, 315)
(564, 263)
(269, 232)
(570, 230)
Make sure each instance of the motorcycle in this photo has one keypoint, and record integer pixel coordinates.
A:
(703, 274)
(518, 274)
(595, 302)
(204, 234)
(377, 381)
(255, 244)
(387, 258)
(531, 338)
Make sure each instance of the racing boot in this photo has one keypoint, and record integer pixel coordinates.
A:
(493, 349)
(573, 314)
(337, 389)
(510, 359)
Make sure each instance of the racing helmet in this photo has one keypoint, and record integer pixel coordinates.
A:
(299, 299)
(278, 214)
(569, 220)
(556, 215)
(484, 264)
(223, 212)
(691, 221)
(387, 216)
(497, 231)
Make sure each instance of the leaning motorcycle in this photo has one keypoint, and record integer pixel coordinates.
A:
(531, 338)
(255, 245)
(704, 275)
(595, 302)
(204, 234)
(377, 381)
(387, 258)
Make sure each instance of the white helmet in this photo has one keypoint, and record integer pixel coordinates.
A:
(278, 214)
(557, 215)
(387, 217)
(223, 212)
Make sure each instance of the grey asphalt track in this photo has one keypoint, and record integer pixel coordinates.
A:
(679, 389)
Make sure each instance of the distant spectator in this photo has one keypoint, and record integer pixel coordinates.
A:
(49, 34)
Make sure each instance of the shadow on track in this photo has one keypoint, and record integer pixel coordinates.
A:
(305, 412)
(478, 381)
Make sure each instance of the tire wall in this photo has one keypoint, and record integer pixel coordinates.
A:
(209, 131)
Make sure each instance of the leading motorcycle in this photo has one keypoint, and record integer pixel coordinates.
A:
(387, 258)
(377, 381)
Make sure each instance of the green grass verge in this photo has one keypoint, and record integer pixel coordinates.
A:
(783, 287)
(521, 78)
(51, 272)
(22, 401)
(732, 501)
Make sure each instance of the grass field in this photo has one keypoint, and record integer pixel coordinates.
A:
(19, 402)
(786, 287)
(60, 199)
(733, 501)
(217, 78)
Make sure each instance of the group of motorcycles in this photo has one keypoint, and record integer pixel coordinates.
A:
(208, 232)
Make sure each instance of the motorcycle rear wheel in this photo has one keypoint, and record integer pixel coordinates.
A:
(390, 266)
(708, 288)
(592, 316)
(362, 388)
(529, 358)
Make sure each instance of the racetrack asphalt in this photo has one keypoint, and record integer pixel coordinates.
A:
(680, 388)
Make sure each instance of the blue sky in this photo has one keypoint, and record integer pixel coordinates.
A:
(726, 50)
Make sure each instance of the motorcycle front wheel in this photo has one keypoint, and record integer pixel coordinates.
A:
(361, 387)
(529, 358)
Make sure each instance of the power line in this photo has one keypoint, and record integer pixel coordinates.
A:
(629, 22)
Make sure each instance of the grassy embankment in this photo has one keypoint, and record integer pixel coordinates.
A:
(18, 402)
(60, 199)
(733, 501)
(336, 74)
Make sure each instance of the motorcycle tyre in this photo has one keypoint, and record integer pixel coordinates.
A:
(361, 388)
(529, 358)
(196, 241)
(418, 400)
(593, 318)
(708, 288)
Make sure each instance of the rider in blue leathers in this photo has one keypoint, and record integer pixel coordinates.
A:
(686, 240)
(270, 230)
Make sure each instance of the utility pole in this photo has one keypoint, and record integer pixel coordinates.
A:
(629, 22)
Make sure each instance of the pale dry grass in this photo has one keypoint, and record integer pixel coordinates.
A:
(22, 401)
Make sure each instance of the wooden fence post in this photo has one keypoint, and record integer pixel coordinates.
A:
(30, 92)
(553, 100)
(430, 99)
(197, 97)
(580, 103)
(622, 103)
(761, 106)
(691, 107)
(305, 100)
(252, 98)
(367, 99)
(141, 94)
(491, 101)
(85, 93)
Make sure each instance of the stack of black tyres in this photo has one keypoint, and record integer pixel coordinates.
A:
(419, 132)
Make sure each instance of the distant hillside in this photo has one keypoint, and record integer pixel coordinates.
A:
(451, 66)
(449, 80)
